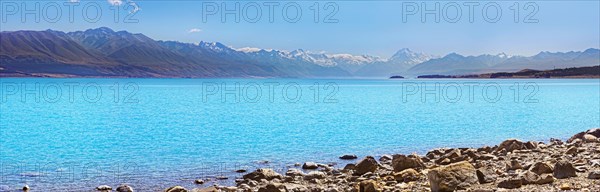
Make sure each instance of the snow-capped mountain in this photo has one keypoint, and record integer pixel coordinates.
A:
(408, 57)
(315, 58)
(104, 52)
(362, 65)
(456, 64)
(401, 61)
(548, 60)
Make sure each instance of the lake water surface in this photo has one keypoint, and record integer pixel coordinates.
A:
(75, 134)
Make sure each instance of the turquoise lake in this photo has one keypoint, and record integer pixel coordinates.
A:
(76, 134)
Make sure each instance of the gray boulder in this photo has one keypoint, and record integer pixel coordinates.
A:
(564, 169)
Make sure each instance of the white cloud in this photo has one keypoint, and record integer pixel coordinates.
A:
(195, 30)
(74, 1)
(131, 3)
(115, 2)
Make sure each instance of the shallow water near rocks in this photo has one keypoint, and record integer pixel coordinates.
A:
(76, 134)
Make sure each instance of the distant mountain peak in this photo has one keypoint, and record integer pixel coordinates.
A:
(591, 50)
(503, 55)
(100, 30)
(454, 55)
(544, 53)
(407, 54)
(299, 52)
(404, 50)
(214, 45)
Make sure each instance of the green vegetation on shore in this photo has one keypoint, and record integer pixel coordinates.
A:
(575, 72)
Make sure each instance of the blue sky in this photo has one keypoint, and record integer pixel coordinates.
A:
(363, 27)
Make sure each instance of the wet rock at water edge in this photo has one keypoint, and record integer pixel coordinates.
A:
(511, 145)
(349, 166)
(590, 138)
(531, 145)
(315, 175)
(124, 188)
(176, 189)
(385, 158)
(368, 164)
(348, 157)
(294, 173)
(104, 188)
(26, 188)
(310, 165)
(591, 134)
(199, 181)
(267, 174)
(555, 141)
(263, 162)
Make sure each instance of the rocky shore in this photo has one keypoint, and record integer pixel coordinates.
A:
(513, 165)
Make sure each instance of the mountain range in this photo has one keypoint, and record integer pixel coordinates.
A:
(103, 52)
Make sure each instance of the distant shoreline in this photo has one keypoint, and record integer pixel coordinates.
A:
(592, 72)
(382, 78)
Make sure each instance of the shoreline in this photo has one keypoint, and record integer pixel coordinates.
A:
(508, 162)
(512, 165)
